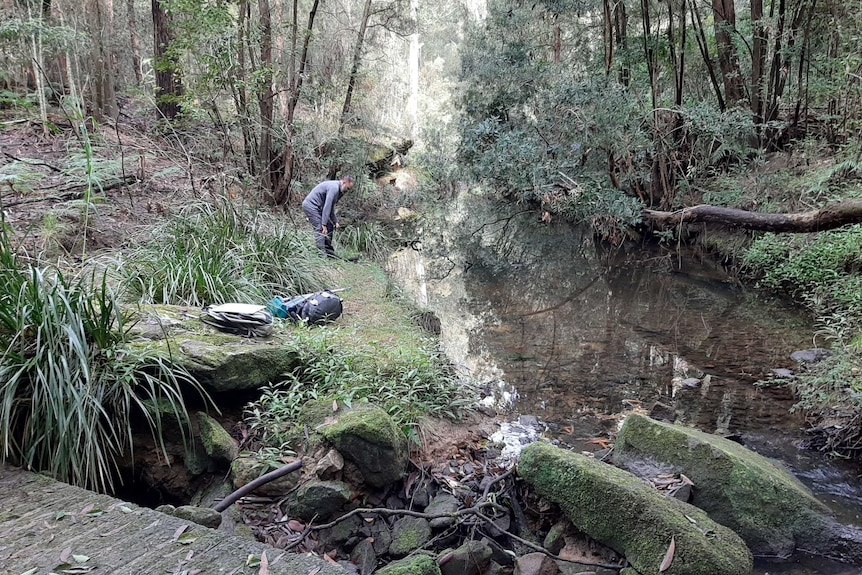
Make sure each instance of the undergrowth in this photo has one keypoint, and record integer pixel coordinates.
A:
(217, 252)
(70, 391)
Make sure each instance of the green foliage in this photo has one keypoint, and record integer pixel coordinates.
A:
(69, 389)
(10, 99)
(832, 390)
(823, 265)
(368, 238)
(408, 382)
(216, 253)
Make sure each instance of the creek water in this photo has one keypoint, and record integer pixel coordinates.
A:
(566, 337)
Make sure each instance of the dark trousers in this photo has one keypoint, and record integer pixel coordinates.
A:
(324, 241)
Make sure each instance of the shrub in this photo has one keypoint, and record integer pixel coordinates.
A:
(69, 390)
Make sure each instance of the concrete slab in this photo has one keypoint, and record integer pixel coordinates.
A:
(50, 527)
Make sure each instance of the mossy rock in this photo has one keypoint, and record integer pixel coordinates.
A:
(619, 510)
(415, 565)
(217, 442)
(368, 437)
(220, 361)
(755, 496)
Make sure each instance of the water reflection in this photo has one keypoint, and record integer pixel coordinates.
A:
(575, 335)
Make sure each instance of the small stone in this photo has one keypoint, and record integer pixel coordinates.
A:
(364, 557)
(536, 564)
(442, 503)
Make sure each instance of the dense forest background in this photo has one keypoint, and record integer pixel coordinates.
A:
(596, 111)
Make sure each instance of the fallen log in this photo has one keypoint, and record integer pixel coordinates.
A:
(827, 218)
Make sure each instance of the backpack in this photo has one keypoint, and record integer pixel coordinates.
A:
(247, 320)
(311, 309)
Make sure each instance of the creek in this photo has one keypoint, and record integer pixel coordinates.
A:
(565, 337)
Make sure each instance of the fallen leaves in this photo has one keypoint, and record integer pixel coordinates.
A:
(668, 556)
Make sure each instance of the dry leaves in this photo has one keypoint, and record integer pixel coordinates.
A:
(668, 556)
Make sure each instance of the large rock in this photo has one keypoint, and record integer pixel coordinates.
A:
(220, 361)
(755, 496)
(621, 511)
(368, 437)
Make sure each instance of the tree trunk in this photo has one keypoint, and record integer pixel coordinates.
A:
(354, 69)
(135, 40)
(266, 97)
(169, 87)
(724, 12)
(413, 72)
(703, 45)
(830, 217)
(282, 187)
(758, 59)
(104, 100)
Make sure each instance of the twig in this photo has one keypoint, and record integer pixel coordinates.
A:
(32, 162)
(541, 549)
(386, 512)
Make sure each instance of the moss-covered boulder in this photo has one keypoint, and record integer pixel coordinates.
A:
(415, 565)
(220, 361)
(217, 442)
(756, 497)
(368, 437)
(621, 511)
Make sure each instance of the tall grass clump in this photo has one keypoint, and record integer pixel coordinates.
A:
(70, 393)
(409, 382)
(368, 238)
(216, 253)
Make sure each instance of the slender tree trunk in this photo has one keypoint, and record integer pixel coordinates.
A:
(703, 45)
(758, 59)
(649, 52)
(266, 97)
(413, 72)
(240, 90)
(104, 100)
(37, 64)
(354, 69)
(725, 21)
(282, 187)
(608, 36)
(169, 86)
(135, 40)
(677, 56)
(621, 22)
(830, 217)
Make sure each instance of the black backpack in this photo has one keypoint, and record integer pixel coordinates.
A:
(247, 320)
(319, 307)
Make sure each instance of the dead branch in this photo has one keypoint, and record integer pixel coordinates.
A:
(827, 218)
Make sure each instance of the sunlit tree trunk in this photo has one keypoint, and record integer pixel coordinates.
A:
(413, 72)
(354, 69)
(169, 86)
